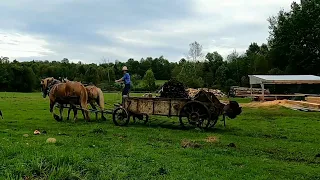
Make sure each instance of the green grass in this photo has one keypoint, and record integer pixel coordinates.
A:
(160, 82)
(273, 143)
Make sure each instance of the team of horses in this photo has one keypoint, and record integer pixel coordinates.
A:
(72, 93)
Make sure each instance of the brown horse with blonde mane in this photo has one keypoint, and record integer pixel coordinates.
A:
(95, 95)
(73, 93)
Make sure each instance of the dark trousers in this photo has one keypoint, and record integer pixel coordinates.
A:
(126, 89)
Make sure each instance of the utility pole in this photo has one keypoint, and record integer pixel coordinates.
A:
(104, 61)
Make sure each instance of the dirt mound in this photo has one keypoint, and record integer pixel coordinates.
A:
(189, 144)
(265, 104)
(173, 89)
(212, 139)
(218, 93)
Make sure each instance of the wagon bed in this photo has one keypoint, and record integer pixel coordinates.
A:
(155, 106)
(202, 111)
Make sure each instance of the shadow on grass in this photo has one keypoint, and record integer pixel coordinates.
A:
(153, 123)
(175, 125)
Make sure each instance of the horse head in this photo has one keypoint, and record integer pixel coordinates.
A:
(45, 85)
(232, 109)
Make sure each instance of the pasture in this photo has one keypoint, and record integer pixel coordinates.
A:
(268, 143)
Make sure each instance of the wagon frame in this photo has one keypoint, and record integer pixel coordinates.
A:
(200, 111)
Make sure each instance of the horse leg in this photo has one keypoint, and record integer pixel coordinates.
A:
(51, 106)
(95, 109)
(61, 110)
(56, 117)
(69, 110)
(101, 110)
(100, 102)
(84, 116)
(85, 112)
(75, 113)
(102, 116)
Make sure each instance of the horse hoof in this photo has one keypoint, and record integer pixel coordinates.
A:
(57, 118)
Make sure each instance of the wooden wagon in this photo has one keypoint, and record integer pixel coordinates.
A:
(202, 111)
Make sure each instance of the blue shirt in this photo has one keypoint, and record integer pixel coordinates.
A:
(126, 78)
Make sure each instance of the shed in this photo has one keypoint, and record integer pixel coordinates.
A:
(282, 79)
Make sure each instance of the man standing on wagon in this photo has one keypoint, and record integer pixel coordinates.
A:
(126, 80)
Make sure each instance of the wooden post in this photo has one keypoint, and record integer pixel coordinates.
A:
(251, 91)
(262, 86)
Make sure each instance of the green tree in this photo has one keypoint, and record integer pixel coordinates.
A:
(92, 75)
(149, 80)
(189, 76)
(135, 78)
(221, 75)
(294, 38)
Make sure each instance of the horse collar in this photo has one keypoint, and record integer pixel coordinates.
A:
(55, 81)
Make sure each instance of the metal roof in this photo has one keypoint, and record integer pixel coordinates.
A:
(284, 79)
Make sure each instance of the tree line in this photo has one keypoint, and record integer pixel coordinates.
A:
(292, 48)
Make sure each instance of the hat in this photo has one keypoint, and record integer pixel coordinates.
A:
(124, 68)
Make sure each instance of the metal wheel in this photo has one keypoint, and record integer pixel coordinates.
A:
(213, 122)
(194, 113)
(120, 117)
(214, 116)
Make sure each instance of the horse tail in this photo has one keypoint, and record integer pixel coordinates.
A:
(100, 98)
(84, 101)
(84, 96)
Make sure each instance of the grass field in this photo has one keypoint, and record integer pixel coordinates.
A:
(272, 143)
(158, 82)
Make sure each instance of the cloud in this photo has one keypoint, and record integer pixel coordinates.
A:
(15, 45)
(116, 52)
(121, 29)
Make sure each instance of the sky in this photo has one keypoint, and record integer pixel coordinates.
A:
(97, 31)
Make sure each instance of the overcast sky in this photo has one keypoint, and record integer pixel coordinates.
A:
(87, 30)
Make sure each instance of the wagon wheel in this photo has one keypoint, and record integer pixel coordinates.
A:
(213, 122)
(195, 113)
(120, 117)
(214, 117)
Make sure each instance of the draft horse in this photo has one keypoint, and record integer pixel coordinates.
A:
(73, 93)
(95, 96)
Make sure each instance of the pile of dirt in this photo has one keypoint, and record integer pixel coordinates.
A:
(173, 89)
(188, 144)
(218, 93)
(192, 92)
(265, 104)
(212, 139)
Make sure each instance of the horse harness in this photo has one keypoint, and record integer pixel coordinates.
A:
(60, 99)
(54, 82)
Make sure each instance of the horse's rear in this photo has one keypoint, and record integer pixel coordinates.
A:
(95, 95)
(76, 89)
